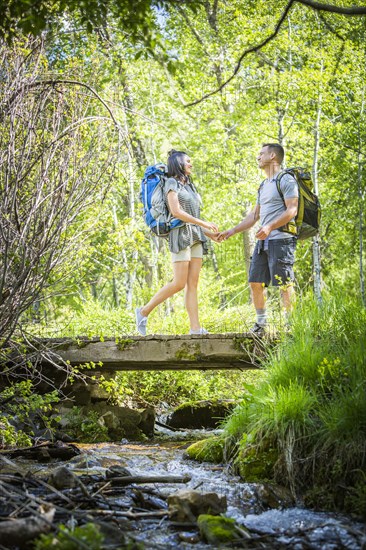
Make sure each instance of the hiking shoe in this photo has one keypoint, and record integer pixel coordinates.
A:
(199, 331)
(258, 330)
(141, 322)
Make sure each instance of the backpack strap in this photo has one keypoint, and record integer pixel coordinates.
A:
(289, 227)
(278, 182)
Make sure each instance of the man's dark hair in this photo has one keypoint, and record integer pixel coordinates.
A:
(277, 149)
(176, 160)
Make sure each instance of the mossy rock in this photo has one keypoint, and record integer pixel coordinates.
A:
(217, 529)
(207, 450)
(253, 464)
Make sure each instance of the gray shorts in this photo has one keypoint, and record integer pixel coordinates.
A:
(274, 265)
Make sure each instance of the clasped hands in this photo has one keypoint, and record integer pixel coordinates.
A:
(220, 236)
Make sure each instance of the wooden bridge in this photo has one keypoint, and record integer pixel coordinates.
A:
(160, 352)
(107, 356)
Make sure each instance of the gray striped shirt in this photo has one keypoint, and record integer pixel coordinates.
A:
(189, 200)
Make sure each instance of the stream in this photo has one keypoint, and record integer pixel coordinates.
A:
(295, 527)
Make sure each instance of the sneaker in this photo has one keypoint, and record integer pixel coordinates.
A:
(258, 330)
(199, 331)
(141, 322)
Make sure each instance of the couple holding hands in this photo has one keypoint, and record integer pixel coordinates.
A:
(273, 257)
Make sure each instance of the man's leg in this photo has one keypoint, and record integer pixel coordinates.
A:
(259, 302)
(281, 263)
(259, 277)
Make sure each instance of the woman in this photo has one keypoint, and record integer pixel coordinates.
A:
(187, 243)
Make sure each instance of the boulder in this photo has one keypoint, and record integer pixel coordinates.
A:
(200, 414)
(112, 423)
(62, 478)
(186, 505)
(274, 496)
(80, 394)
(98, 393)
(123, 422)
(147, 421)
(257, 498)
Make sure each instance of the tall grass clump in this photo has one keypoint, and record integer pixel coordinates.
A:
(311, 405)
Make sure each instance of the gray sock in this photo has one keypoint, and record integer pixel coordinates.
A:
(261, 317)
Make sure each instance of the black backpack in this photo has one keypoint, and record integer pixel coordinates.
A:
(307, 219)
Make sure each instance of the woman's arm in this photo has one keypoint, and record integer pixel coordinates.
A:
(178, 212)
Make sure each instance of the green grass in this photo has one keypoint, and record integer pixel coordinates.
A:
(311, 404)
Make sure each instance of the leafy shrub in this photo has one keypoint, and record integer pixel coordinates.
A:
(70, 539)
(176, 387)
(10, 437)
(86, 427)
(22, 404)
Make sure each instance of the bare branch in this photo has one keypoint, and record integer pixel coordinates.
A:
(244, 54)
(58, 81)
(51, 170)
(317, 6)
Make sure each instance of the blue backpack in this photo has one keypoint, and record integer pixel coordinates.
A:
(156, 213)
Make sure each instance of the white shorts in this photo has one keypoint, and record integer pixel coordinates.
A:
(185, 255)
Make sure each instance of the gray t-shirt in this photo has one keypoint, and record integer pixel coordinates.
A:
(190, 201)
(271, 203)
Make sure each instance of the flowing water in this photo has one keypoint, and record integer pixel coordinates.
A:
(294, 527)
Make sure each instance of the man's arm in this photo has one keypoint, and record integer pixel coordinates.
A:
(289, 214)
(244, 225)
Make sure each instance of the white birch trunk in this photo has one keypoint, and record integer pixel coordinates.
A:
(130, 275)
(316, 244)
(114, 280)
(361, 202)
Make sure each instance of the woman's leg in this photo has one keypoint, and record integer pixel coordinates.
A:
(191, 299)
(180, 276)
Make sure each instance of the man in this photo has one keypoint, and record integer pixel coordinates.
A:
(273, 256)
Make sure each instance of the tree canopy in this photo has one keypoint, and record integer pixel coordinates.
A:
(304, 88)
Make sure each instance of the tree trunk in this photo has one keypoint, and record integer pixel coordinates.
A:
(361, 201)
(247, 246)
(115, 292)
(316, 245)
(218, 277)
(131, 275)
